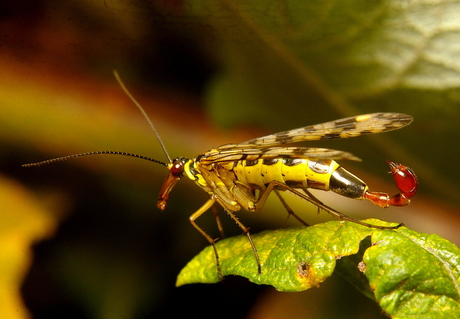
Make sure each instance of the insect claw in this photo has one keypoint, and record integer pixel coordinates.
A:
(378, 198)
(399, 200)
(405, 180)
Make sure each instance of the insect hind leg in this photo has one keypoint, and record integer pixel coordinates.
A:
(276, 186)
(289, 210)
(262, 198)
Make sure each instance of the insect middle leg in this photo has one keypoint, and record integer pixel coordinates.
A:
(215, 212)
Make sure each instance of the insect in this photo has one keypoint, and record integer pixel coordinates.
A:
(243, 175)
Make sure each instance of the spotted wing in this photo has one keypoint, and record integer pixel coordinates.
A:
(252, 154)
(344, 128)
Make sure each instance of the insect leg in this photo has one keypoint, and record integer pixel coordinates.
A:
(246, 232)
(211, 241)
(289, 210)
(314, 198)
(215, 212)
(314, 201)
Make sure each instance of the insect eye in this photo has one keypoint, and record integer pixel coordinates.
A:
(177, 168)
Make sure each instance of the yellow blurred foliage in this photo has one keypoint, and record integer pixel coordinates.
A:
(23, 221)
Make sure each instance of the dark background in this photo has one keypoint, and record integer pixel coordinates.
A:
(113, 254)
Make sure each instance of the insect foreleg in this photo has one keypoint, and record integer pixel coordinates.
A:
(211, 241)
(209, 204)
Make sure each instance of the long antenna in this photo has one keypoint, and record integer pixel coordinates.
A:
(142, 111)
(64, 158)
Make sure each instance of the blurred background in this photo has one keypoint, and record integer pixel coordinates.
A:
(84, 239)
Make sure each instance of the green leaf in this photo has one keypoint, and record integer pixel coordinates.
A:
(409, 273)
(413, 273)
(291, 259)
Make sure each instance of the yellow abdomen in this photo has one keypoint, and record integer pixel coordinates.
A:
(294, 172)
